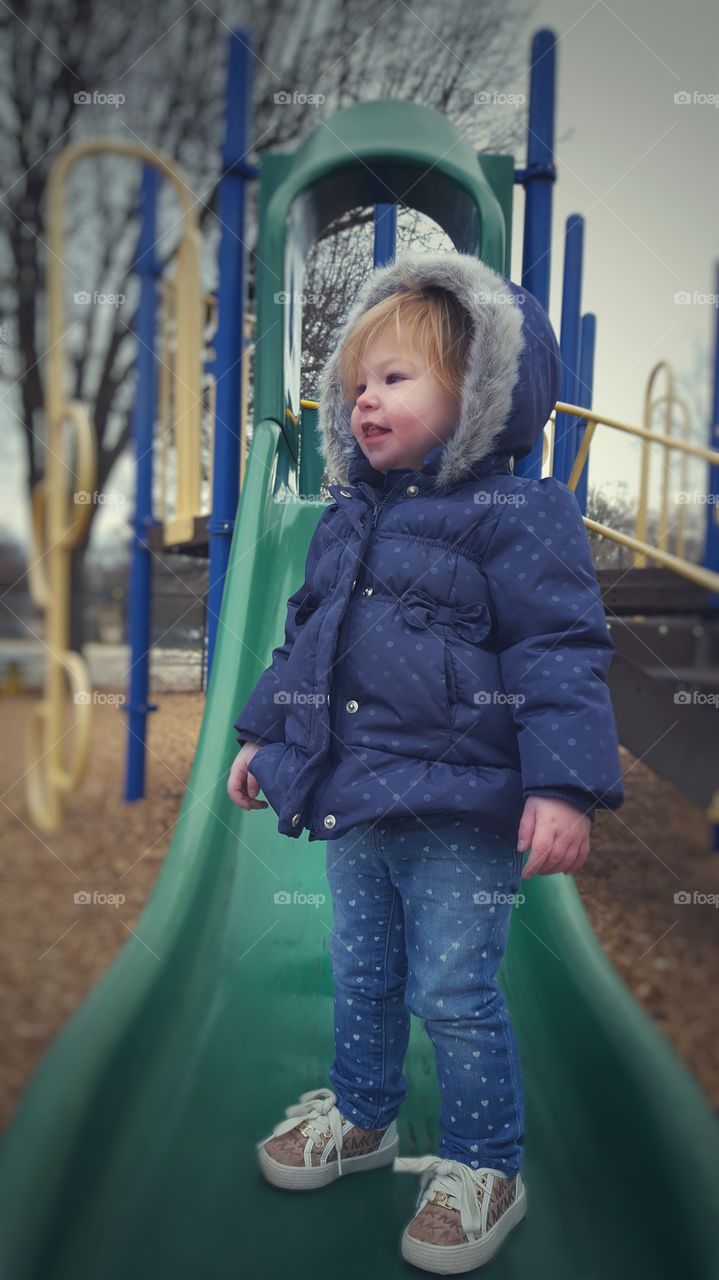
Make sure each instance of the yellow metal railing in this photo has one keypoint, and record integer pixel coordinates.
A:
(62, 500)
(642, 549)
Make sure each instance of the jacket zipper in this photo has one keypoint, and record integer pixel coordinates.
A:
(380, 504)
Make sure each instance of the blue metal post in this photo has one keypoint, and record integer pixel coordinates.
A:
(565, 433)
(584, 395)
(143, 416)
(385, 234)
(711, 547)
(537, 179)
(230, 338)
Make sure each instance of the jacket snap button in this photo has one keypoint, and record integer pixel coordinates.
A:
(330, 820)
(345, 493)
(352, 705)
(412, 489)
(367, 591)
(295, 819)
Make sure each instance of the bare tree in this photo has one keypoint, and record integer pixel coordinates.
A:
(60, 67)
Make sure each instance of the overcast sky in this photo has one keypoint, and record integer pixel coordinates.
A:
(644, 172)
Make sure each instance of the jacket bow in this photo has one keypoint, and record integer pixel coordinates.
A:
(471, 621)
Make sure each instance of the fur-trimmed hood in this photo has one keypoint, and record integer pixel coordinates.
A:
(511, 382)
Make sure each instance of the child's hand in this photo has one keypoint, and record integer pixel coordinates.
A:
(242, 786)
(558, 834)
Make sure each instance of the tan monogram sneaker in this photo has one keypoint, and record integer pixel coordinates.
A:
(316, 1145)
(464, 1214)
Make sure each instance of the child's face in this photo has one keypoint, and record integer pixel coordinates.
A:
(399, 392)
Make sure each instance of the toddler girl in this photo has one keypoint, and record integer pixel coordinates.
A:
(438, 706)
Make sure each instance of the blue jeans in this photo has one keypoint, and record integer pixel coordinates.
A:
(421, 915)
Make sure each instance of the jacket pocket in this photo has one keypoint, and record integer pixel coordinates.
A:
(449, 675)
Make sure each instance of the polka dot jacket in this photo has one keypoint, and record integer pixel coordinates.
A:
(448, 648)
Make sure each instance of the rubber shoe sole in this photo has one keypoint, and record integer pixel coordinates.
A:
(290, 1177)
(448, 1260)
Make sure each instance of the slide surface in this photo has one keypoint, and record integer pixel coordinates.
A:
(132, 1152)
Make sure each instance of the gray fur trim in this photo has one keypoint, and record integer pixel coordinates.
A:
(492, 365)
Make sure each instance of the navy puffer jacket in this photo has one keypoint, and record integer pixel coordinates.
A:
(448, 649)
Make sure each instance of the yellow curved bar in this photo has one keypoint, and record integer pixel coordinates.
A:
(62, 501)
(36, 570)
(69, 779)
(593, 417)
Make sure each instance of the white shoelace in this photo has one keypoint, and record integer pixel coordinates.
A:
(317, 1107)
(451, 1176)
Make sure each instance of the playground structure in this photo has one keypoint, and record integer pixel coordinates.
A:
(133, 1147)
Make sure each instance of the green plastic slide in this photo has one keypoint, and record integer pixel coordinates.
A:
(132, 1153)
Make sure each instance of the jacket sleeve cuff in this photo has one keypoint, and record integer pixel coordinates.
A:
(248, 736)
(579, 799)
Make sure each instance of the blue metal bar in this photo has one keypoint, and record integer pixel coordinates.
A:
(711, 547)
(565, 433)
(537, 180)
(230, 337)
(143, 416)
(585, 392)
(385, 234)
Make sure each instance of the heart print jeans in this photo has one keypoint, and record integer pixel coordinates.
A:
(421, 912)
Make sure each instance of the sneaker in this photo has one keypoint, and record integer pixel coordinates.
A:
(464, 1214)
(322, 1145)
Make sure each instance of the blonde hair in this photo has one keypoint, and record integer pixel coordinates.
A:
(435, 324)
